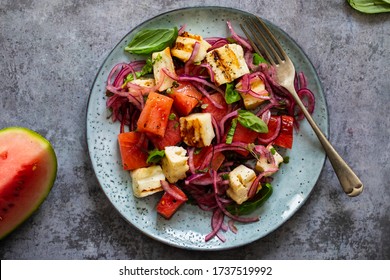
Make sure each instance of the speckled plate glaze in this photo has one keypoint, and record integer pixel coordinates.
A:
(189, 226)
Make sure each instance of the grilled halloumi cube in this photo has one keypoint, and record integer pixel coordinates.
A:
(163, 59)
(184, 47)
(197, 129)
(256, 85)
(228, 63)
(240, 182)
(174, 163)
(263, 165)
(146, 181)
(144, 82)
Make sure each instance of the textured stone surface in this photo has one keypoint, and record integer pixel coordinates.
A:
(50, 53)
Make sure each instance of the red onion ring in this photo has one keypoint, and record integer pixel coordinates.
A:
(239, 39)
(166, 187)
(190, 61)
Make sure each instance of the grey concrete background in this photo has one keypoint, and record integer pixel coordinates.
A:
(50, 52)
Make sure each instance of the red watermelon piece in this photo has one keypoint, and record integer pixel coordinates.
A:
(28, 169)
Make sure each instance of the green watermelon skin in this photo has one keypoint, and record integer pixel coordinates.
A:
(28, 169)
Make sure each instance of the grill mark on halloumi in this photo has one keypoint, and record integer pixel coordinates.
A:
(223, 64)
(228, 63)
(184, 47)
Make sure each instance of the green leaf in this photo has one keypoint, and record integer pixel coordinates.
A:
(230, 134)
(370, 6)
(251, 121)
(231, 95)
(249, 206)
(257, 59)
(155, 156)
(148, 41)
(147, 69)
(172, 116)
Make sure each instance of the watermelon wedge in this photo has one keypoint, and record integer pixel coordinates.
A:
(28, 169)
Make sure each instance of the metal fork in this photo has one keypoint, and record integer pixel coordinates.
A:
(261, 38)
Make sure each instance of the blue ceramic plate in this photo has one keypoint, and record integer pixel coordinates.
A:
(189, 226)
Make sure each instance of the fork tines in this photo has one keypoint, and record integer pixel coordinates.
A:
(262, 40)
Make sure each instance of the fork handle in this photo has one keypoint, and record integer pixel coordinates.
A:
(349, 181)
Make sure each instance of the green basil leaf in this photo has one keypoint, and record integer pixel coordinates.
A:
(370, 6)
(148, 41)
(251, 121)
(230, 134)
(231, 95)
(155, 156)
(249, 206)
(257, 59)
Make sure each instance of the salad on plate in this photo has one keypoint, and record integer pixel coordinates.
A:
(203, 122)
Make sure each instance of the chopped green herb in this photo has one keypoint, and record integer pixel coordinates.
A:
(231, 40)
(202, 170)
(230, 134)
(197, 151)
(155, 156)
(257, 59)
(172, 116)
(147, 69)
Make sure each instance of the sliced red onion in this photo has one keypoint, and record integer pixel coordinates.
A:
(266, 116)
(182, 29)
(190, 61)
(264, 95)
(227, 213)
(216, 223)
(235, 146)
(133, 99)
(306, 93)
(255, 184)
(166, 187)
(232, 227)
(193, 178)
(302, 80)
(201, 81)
(224, 227)
(114, 71)
(239, 39)
(201, 179)
(216, 42)
(190, 152)
(217, 129)
(192, 79)
(266, 141)
(225, 118)
(207, 95)
(210, 71)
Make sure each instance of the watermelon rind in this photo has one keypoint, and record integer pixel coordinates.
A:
(52, 161)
